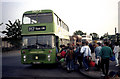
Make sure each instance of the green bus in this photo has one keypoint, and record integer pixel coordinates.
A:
(42, 34)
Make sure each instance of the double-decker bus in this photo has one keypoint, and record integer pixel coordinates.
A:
(42, 34)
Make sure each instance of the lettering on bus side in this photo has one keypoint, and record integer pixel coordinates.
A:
(36, 28)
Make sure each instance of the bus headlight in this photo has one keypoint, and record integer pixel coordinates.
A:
(49, 58)
(24, 56)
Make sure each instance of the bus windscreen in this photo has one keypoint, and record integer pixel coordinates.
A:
(37, 18)
(38, 42)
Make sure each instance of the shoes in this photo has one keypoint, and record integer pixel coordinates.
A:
(86, 69)
(117, 65)
(68, 69)
(102, 75)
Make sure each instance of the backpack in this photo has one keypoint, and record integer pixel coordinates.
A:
(63, 53)
(69, 55)
(77, 52)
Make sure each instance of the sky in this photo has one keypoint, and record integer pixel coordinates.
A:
(99, 16)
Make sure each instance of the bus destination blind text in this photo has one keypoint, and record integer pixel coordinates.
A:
(37, 28)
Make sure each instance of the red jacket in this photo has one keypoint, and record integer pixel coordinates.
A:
(63, 53)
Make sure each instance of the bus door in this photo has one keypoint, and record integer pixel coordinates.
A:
(57, 44)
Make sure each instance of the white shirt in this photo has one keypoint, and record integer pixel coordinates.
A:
(116, 49)
(86, 50)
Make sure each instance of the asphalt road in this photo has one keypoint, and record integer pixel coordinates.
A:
(12, 67)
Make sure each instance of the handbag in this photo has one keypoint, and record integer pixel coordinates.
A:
(112, 58)
(92, 64)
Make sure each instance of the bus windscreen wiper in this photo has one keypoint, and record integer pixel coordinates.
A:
(31, 46)
(43, 45)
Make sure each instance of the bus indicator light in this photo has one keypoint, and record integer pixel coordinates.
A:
(49, 60)
(24, 60)
(50, 51)
(23, 52)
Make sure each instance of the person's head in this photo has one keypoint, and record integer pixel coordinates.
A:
(99, 44)
(106, 44)
(63, 46)
(80, 43)
(71, 48)
(116, 43)
(77, 44)
(83, 43)
(86, 42)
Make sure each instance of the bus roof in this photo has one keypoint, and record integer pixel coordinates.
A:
(38, 11)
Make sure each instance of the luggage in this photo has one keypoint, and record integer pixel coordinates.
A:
(112, 58)
(92, 64)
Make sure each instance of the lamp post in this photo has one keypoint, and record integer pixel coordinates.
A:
(115, 35)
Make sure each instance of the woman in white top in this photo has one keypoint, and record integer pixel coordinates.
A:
(116, 51)
(86, 52)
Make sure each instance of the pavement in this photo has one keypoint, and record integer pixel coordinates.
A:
(93, 73)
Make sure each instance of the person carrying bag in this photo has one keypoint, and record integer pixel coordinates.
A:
(86, 54)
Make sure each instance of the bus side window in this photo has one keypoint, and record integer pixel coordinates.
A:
(60, 22)
(55, 19)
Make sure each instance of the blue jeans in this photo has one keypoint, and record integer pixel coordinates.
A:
(76, 58)
(70, 64)
(85, 62)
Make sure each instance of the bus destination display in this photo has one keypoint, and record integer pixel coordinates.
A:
(37, 28)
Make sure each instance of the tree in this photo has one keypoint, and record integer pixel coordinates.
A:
(13, 31)
(105, 36)
(95, 36)
(1, 24)
(79, 32)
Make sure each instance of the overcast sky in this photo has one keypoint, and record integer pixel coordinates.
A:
(100, 16)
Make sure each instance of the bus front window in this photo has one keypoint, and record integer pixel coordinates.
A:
(37, 18)
(29, 19)
(45, 18)
(38, 42)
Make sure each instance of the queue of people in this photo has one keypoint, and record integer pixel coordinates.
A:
(81, 54)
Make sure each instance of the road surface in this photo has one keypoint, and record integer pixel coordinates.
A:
(12, 67)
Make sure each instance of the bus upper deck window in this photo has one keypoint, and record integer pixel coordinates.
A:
(29, 19)
(26, 20)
